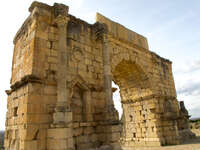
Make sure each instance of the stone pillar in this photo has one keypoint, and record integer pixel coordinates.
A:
(107, 73)
(88, 110)
(61, 105)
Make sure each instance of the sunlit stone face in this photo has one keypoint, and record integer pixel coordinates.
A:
(62, 88)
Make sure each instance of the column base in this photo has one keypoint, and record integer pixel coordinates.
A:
(60, 138)
(62, 119)
(111, 114)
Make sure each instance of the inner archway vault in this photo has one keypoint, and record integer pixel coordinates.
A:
(132, 80)
(135, 90)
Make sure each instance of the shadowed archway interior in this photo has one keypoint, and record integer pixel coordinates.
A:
(134, 88)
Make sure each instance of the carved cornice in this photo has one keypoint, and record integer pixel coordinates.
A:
(39, 5)
(25, 80)
(152, 96)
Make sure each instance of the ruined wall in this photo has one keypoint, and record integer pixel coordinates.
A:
(147, 90)
(18, 96)
(36, 106)
(183, 124)
(61, 93)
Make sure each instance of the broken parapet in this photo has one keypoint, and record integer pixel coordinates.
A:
(183, 123)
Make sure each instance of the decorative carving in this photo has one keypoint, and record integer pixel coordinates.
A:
(100, 31)
(60, 9)
(61, 20)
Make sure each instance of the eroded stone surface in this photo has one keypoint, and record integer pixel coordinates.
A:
(61, 93)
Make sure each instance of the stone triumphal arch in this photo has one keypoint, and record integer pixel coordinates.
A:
(61, 86)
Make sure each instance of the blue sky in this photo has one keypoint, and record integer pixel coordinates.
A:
(171, 26)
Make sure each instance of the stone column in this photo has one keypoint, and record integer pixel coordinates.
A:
(61, 105)
(88, 110)
(107, 73)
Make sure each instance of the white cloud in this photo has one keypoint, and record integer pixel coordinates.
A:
(189, 67)
(188, 85)
(89, 17)
(190, 88)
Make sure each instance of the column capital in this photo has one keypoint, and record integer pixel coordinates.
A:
(106, 39)
(61, 20)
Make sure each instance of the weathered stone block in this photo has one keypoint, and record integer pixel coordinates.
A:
(57, 144)
(59, 133)
(83, 139)
(32, 145)
(77, 131)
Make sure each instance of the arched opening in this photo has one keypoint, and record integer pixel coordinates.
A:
(138, 106)
(117, 99)
(132, 80)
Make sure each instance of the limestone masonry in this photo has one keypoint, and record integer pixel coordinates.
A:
(61, 86)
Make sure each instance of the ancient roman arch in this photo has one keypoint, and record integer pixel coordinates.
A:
(61, 91)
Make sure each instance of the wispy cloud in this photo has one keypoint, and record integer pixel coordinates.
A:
(195, 112)
(189, 92)
(189, 67)
(188, 85)
(190, 88)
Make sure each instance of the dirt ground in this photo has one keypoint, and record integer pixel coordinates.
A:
(193, 144)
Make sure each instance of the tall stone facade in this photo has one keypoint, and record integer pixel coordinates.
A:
(61, 86)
